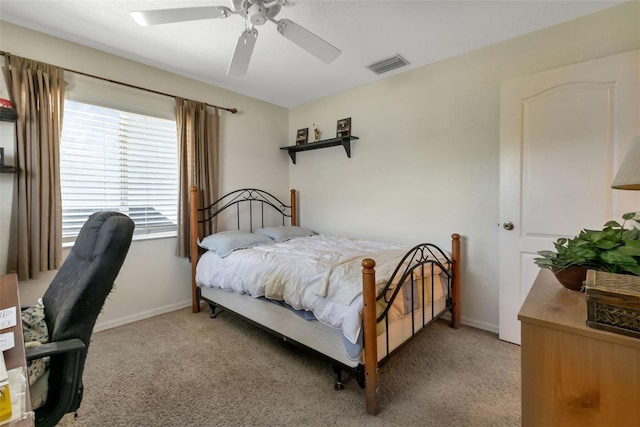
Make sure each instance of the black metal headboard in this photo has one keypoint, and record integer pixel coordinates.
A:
(240, 197)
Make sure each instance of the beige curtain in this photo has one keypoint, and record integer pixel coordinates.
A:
(35, 238)
(198, 161)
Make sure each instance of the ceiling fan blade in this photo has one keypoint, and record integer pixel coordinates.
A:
(304, 38)
(241, 56)
(168, 16)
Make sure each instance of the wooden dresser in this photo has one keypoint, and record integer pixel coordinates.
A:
(573, 375)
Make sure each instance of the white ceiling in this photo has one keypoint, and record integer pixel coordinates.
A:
(280, 72)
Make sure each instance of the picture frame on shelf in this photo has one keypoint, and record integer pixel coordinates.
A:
(302, 136)
(343, 127)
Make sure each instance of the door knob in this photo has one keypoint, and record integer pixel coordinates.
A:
(508, 225)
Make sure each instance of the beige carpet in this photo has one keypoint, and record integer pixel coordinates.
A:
(183, 369)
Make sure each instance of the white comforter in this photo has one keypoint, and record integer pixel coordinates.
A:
(320, 274)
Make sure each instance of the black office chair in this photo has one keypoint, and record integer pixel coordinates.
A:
(71, 305)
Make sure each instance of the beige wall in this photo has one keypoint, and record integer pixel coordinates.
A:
(427, 162)
(152, 279)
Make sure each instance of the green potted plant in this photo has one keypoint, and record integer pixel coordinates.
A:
(615, 249)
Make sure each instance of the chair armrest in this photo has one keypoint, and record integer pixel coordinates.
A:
(53, 348)
(68, 358)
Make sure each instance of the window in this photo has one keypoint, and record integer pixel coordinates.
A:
(116, 160)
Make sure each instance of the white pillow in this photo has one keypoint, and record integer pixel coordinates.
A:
(284, 233)
(225, 242)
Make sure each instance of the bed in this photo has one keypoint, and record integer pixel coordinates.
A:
(354, 301)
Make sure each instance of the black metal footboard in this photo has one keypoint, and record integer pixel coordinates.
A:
(416, 279)
(429, 262)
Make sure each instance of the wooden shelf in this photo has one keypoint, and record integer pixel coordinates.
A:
(8, 114)
(345, 141)
(7, 169)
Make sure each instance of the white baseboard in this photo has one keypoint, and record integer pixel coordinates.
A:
(101, 326)
(474, 323)
(479, 325)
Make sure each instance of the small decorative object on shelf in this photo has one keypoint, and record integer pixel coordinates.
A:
(344, 127)
(301, 136)
(316, 133)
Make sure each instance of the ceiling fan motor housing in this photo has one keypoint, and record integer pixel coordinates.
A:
(256, 11)
(257, 14)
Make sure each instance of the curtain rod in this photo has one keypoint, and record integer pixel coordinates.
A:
(231, 110)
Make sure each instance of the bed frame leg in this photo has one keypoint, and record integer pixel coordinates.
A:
(360, 376)
(455, 287)
(338, 371)
(213, 310)
(370, 336)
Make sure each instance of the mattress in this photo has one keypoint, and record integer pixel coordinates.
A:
(322, 275)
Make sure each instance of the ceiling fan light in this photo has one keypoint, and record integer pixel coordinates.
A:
(304, 38)
(242, 55)
(140, 18)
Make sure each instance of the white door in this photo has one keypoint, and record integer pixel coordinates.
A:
(563, 134)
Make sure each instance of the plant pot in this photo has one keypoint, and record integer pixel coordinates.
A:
(571, 277)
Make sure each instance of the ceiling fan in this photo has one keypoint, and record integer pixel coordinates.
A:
(255, 12)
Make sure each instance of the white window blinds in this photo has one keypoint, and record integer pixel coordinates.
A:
(117, 160)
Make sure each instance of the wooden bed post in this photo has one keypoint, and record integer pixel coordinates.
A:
(294, 208)
(370, 336)
(455, 286)
(193, 244)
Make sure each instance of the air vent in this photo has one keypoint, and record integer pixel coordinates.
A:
(388, 64)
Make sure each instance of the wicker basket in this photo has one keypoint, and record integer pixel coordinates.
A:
(613, 302)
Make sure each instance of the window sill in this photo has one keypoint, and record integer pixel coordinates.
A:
(154, 236)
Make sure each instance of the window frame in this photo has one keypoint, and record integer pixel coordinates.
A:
(92, 91)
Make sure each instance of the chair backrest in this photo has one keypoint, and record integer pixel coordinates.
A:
(78, 291)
